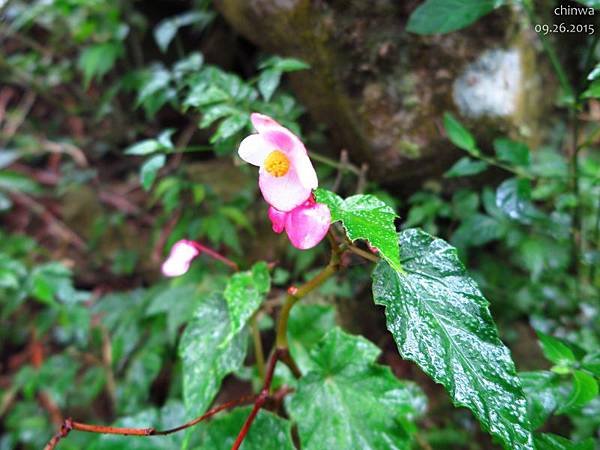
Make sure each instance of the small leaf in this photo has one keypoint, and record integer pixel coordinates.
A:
(365, 217)
(230, 126)
(440, 319)
(349, 402)
(444, 16)
(150, 169)
(513, 197)
(284, 64)
(268, 81)
(97, 60)
(144, 147)
(205, 360)
(512, 152)
(15, 182)
(166, 30)
(545, 391)
(244, 293)
(466, 167)
(547, 441)
(459, 135)
(591, 362)
(593, 91)
(556, 350)
(585, 389)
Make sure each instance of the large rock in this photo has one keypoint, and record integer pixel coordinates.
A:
(382, 91)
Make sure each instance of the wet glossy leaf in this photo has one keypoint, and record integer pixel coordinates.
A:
(284, 64)
(245, 292)
(144, 147)
(545, 392)
(166, 30)
(347, 401)
(440, 320)
(444, 16)
(268, 432)
(585, 389)
(365, 217)
(268, 81)
(207, 353)
(513, 197)
(466, 167)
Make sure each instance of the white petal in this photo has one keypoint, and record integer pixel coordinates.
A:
(254, 150)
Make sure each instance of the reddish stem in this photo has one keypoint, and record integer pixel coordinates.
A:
(262, 397)
(215, 255)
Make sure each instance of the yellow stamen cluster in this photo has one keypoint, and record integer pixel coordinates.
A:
(277, 164)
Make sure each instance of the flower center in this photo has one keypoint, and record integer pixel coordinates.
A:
(277, 164)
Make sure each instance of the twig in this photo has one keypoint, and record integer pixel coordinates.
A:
(330, 162)
(360, 252)
(362, 179)
(69, 425)
(341, 170)
(215, 255)
(14, 123)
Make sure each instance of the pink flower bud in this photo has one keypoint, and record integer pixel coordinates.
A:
(180, 258)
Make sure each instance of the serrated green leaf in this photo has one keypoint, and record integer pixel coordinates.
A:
(585, 389)
(444, 16)
(268, 432)
(547, 441)
(512, 152)
(545, 392)
(556, 350)
(149, 170)
(245, 292)
(349, 402)
(365, 217)
(440, 319)
(459, 135)
(206, 361)
(465, 167)
(268, 80)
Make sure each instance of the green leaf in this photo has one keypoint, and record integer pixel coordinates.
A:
(591, 362)
(512, 152)
(545, 392)
(440, 319)
(144, 147)
(365, 217)
(466, 167)
(513, 197)
(477, 230)
(268, 432)
(205, 360)
(268, 81)
(593, 91)
(149, 170)
(166, 30)
(306, 327)
(444, 16)
(547, 441)
(15, 182)
(585, 389)
(97, 60)
(245, 292)
(53, 281)
(230, 126)
(556, 350)
(348, 401)
(284, 64)
(459, 135)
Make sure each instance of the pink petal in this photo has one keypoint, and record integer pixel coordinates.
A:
(253, 149)
(307, 225)
(262, 122)
(304, 170)
(277, 219)
(180, 258)
(284, 140)
(283, 193)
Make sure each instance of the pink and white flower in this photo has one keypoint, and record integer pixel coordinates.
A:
(286, 175)
(305, 226)
(180, 258)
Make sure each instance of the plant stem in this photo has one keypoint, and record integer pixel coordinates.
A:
(360, 252)
(215, 255)
(296, 294)
(69, 425)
